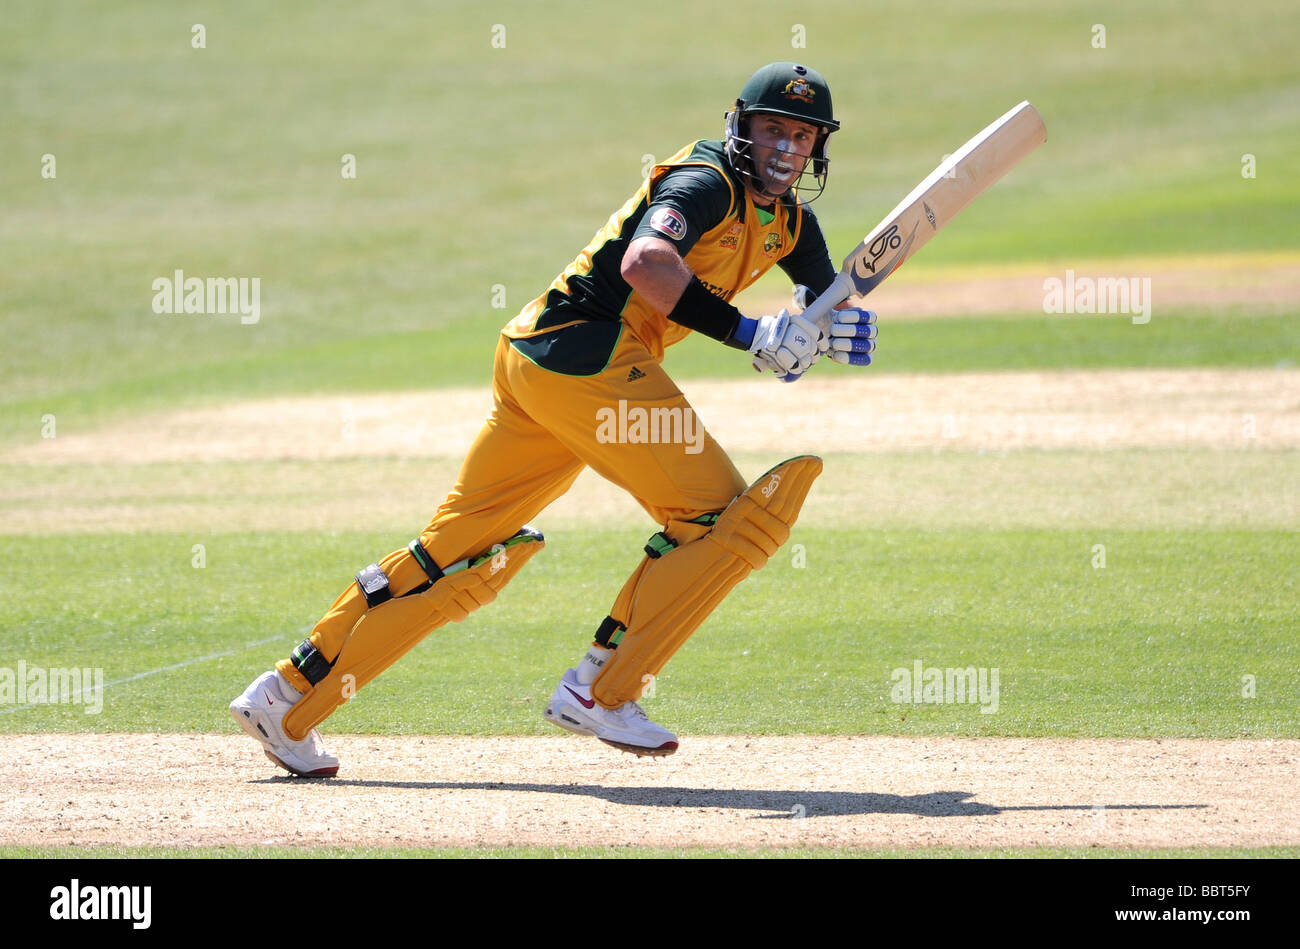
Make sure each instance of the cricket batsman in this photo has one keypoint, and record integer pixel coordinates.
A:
(704, 225)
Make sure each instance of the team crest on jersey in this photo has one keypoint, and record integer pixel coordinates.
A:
(799, 89)
(772, 246)
(731, 239)
(669, 223)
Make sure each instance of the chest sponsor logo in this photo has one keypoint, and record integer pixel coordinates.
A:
(669, 223)
(731, 239)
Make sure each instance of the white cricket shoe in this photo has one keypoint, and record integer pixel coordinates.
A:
(260, 711)
(627, 727)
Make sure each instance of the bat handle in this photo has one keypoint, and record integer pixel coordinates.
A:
(819, 313)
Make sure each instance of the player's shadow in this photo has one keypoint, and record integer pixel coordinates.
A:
(767, 805)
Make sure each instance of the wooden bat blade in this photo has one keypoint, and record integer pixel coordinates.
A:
(961, 178)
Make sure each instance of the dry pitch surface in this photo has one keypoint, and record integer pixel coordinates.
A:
(791, 791)
(1206, 448)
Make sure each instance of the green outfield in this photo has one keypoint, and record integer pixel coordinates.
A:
(473, 174)
(1154, 644)
(481, 170)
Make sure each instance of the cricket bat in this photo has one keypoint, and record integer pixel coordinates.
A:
(960, 179)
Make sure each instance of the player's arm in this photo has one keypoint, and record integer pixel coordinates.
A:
(783, 343)
(685, 205)
(653, 268)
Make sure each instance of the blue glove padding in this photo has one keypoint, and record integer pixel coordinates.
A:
(853, 336)
(744, 332)
(845, 320)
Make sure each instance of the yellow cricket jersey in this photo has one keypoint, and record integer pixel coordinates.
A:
(698, 203)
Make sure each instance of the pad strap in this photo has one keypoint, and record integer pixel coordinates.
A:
(426, 562)
(308, 660)
(609, 633)
(374, 586)
(659, 545)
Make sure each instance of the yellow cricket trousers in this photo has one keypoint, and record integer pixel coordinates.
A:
(545, 427)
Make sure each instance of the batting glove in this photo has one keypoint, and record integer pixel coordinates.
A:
(853, 336)
(786, 343)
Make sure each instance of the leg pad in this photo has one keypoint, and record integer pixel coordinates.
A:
(680, 587)
(388, 631)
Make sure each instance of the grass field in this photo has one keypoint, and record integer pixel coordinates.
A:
(226, 160)
(481, 171)
(1154, 644)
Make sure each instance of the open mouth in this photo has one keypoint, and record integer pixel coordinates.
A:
(781, 172)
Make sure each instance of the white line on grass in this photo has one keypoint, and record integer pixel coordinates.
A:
(152, 672)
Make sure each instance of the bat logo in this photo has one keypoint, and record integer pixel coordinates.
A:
(929, 215)
(885, 242)
(867, 269)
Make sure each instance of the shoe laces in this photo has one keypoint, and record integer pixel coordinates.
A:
(636, 711)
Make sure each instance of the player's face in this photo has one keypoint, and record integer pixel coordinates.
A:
(781, 148)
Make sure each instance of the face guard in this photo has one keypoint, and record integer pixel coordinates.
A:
(795, 92)
(740, 152)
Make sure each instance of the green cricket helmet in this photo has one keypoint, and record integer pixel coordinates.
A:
(787, 89)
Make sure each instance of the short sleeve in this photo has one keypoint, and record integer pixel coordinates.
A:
(684, 205)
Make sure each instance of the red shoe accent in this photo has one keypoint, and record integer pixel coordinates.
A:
(585, 703)
(667, 748)
(318, 773)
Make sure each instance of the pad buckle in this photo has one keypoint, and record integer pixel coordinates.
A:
(374, 585)
(659, 545)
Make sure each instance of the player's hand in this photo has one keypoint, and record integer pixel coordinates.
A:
(786, 343)
(853, 336)
(801, 298)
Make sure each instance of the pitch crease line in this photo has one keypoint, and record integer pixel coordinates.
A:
(151, 672)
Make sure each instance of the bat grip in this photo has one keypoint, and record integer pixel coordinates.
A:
(819, 313)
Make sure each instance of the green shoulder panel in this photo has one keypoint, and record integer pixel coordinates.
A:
(711, 154)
